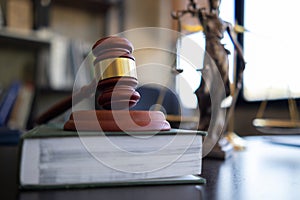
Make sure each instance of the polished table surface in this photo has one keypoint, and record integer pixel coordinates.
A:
(264, 170)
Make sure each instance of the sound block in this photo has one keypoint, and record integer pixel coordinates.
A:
(117, 120)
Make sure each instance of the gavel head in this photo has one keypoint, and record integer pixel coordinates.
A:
(116, 72)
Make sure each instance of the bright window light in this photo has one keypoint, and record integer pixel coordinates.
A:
(271, 49)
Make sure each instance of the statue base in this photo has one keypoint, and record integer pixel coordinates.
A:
(238, 143)
(226, 145)
(222, 150)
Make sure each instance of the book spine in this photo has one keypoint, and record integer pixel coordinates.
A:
(1, 16)
(41, 10)
(8, 102)
(19, 14)
(21, 109)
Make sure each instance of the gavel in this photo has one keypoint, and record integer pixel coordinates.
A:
(116, 72)
(115, 83)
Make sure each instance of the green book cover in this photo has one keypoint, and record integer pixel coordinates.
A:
(182, 180)
(56, 130)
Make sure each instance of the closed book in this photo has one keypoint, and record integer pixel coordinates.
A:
(53, 158)
(20, 112)
(8, 102)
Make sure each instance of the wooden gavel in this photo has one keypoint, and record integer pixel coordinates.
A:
(116, 80)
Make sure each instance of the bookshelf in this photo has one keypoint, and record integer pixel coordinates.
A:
(29, 51)
(24, 54)
(28, 39)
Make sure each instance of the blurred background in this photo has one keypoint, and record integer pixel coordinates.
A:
(44, 42)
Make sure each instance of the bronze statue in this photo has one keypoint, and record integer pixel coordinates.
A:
(214, 28)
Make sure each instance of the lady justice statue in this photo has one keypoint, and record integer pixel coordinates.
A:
(214, 28)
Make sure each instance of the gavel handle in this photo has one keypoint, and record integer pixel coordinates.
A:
(65, 104)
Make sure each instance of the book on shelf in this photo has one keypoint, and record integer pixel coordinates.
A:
(7, 102)
(59, 70)
(222, 150)
(67, 58)
(53, 158)
(19, 14)
(2, 21)
(41, 16)
(22, 107)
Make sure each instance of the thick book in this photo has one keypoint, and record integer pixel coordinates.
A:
(53, 158)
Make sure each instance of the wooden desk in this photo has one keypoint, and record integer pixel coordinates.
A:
(264, 171)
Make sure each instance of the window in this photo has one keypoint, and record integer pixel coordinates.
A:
(271, 49)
